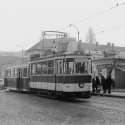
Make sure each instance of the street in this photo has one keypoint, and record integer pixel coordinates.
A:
(28, 109)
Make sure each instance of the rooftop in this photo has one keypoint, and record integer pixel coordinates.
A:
(49, 43)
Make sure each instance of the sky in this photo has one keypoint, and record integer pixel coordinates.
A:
(23, 21)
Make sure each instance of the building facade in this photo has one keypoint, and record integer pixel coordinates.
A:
(115, 66)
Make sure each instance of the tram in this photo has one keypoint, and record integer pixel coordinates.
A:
(67, 75)
(16, 78)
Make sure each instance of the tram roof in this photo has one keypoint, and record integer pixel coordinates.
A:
(62, 55)
(17, 66)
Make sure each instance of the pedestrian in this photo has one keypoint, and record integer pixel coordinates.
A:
(109, 83)
(113, 83)
(103, 83)
(94, 86)
(98, 89)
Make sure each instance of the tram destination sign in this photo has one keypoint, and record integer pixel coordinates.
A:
(103, 66)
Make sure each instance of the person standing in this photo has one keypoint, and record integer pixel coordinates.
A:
(98, 89)
(103, 83)
(109, 83)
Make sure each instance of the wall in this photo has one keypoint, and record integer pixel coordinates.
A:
(120, 78)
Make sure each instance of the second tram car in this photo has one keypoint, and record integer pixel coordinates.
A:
(62, 75)
(16, 78)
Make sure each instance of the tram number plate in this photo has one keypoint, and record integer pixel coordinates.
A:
(67, 86)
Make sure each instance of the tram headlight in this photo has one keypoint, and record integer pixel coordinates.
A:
(81, 85)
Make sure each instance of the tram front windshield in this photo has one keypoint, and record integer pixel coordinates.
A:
(78, 66)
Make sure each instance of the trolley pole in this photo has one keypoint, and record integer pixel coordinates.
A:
(71, 25)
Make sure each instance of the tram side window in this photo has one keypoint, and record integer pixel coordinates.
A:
(59, 68)
(15, 73)
(89, 66)
(70, 66)
(44, 67)
(33, 68)
(64, 66)
(39, 68)
(51, 67)
(20, 72)
(12, 72)
(24, 72)
(86, 67)
(8, 73)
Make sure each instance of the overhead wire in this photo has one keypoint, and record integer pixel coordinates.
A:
(114, 28)
(92, 16)
(97, 14)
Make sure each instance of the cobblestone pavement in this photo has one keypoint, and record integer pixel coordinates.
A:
(26, 109)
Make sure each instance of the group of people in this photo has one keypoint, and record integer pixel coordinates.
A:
(100, 82)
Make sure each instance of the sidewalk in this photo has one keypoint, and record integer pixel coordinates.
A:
(118, 93)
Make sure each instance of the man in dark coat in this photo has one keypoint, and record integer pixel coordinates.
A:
(109, 83)
(103, 83)
(98, 89)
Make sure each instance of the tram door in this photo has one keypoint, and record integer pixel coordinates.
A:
(59, 72)
(59, 67)
(18, 78)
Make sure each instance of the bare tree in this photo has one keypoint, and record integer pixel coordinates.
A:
(90, 37)
(110, 69)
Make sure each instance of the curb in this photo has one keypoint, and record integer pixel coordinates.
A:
(2, 88)
(107, 95)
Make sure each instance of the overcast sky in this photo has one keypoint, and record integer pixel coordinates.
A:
(22, 21)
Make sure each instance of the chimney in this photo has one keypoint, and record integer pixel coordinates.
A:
(79, 45)
(108, 44)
